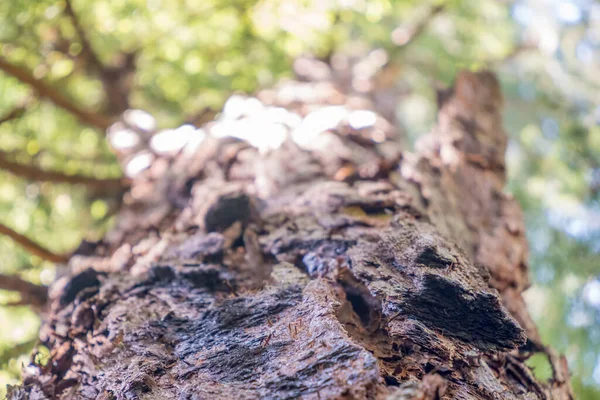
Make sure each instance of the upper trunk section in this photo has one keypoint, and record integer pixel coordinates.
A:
(291, 249)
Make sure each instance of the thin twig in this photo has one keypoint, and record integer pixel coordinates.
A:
(32, 247)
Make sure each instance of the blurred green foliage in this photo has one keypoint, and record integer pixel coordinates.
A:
(190, 55)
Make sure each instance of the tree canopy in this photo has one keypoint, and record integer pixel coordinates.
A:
(68, 69)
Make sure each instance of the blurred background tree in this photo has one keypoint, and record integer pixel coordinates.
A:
(69, 68)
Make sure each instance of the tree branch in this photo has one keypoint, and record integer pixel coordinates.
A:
(37, 174)
(46, 91)
(15, 113)
(116, 80)
(86, 46)
(31, 294)
(403, 36)
(32, 247)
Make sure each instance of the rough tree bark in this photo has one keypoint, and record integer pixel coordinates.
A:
(336, 267)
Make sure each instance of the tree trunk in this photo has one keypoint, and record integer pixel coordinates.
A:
(335, 266)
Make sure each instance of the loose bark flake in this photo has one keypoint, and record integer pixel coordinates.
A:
(342, 268)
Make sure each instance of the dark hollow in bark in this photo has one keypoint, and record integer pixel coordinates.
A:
(347, 270)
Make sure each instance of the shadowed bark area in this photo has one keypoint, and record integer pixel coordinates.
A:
(334, 268)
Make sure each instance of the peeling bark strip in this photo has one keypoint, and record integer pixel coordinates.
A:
(331, 268)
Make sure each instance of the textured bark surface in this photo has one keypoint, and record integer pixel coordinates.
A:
(330, 265)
